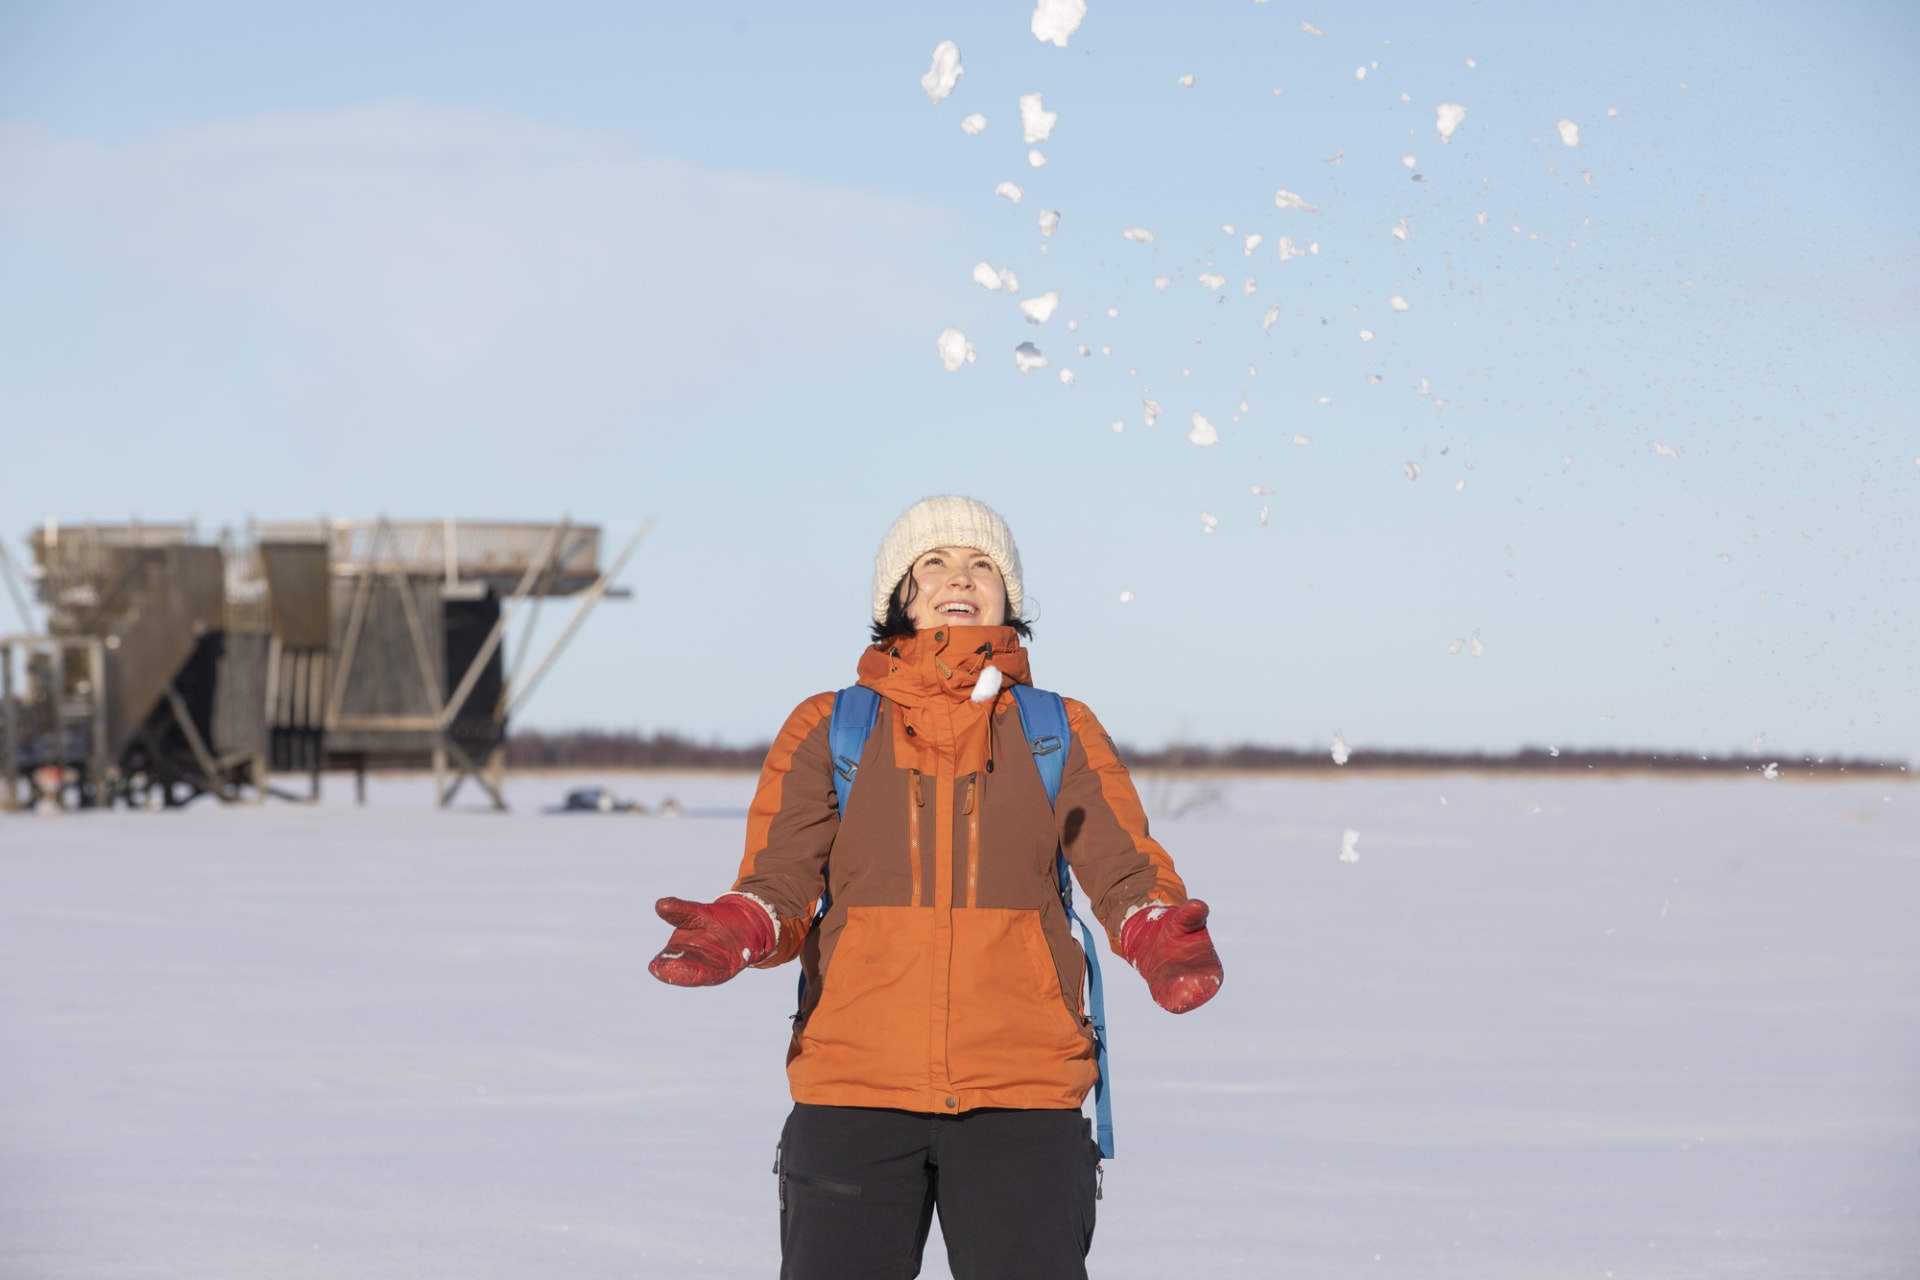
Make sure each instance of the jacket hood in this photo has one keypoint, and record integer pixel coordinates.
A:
(929, 668)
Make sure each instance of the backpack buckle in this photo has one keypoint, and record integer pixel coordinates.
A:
(1045, 746)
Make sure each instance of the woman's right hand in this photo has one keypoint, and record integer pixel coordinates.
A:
(712, 941)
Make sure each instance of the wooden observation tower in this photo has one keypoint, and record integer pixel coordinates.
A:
(172, 668)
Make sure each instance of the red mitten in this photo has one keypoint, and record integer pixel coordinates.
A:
(712, 941)
(1171, 949)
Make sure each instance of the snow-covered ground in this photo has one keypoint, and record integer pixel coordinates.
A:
(1540, 1028)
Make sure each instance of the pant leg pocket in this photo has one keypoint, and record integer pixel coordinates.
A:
(826, 1186)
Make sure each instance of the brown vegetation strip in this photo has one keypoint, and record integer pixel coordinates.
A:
(596, 749)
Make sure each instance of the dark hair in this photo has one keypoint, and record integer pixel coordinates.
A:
(897, 623)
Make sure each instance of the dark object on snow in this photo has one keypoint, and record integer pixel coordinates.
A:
(595, 800)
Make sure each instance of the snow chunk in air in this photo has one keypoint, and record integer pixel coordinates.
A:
(1570, 133)
(945, 72)
(1273, 314)
(986, 684)
(973, 124)
(1139, 235)
(1208, 522)
(1066, 377)
(1211, 281)
(1284, 199)
(1451, 114)
(955, 350)
(1348, 840)
(1049, 221)
(1010, 191)
(1204, 433)
(1126, 597)
(1366, 335)
(1040, 310)
(1340, 752)
(1035, 158)
(994, 281)
(1397, 302)
(1310, 29)
(1036, 123)
(1161, 282)
(1185, 81)
(1027, 358)
(1057, 20)
(1253, 242)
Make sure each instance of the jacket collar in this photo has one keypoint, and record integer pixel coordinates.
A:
(941, 665)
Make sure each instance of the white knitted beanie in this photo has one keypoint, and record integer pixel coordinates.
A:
(949, 521)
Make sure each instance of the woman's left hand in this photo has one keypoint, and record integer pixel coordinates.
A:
(1171, 949)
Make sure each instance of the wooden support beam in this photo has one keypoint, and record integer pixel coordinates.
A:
(519, 696)
(209, 771)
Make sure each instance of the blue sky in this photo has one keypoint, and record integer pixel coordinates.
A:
(691, 261)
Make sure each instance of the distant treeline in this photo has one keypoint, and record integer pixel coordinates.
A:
(597, 749)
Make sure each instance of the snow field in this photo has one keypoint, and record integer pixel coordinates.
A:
(1542, 1027)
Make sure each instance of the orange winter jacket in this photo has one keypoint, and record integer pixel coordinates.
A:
(944, 977)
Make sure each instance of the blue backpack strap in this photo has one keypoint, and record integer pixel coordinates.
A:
(855, 710)
(1043, 720)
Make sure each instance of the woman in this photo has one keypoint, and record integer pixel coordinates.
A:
(940, 1056)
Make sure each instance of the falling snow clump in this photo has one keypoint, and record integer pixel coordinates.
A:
(1411, 469)
(1570, 133)
(1284, 199)
(1139, 235)
(1039, 310)
(1397, 302)
(1036, 123)
(1153, 410)
(1057, 20)
(1349, 841)
(1049, 221)
(1204, 433)
(1450, 116)
(1211, 281)
(1010, 191)
(973, 124)
(1027, 358)
(1340, 752)
(1126, 597)
(1208, 522)
(955, 350)
(945, 72)
(986, 684)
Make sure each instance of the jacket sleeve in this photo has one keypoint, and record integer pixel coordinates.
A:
(791, 826)
(1103, 830)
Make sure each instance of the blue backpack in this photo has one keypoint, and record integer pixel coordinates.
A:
(1043, 722)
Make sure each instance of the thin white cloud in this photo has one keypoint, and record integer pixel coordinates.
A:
(446, 238)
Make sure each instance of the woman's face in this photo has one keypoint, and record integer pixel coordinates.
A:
(955, 586)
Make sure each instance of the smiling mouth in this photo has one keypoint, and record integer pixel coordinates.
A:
(956, 609)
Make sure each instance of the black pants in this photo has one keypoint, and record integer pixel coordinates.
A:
(859, 1186)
